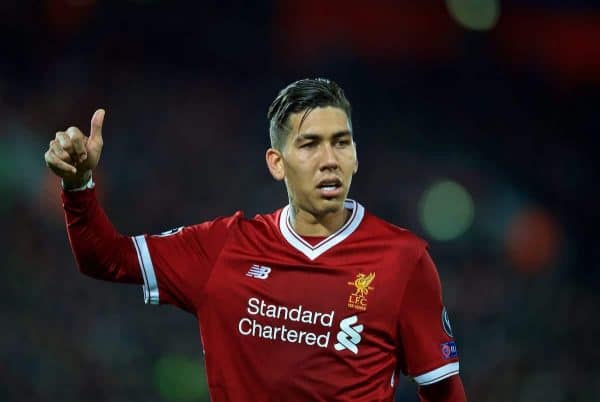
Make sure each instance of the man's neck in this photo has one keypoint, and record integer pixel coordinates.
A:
(307, 224)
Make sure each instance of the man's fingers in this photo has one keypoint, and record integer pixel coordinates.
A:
(64, 141)
(78, 141)
(60, 152)
(59, 166)
(96, 125)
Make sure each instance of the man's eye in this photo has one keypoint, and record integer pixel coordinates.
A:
(308, 145)
(343, 143)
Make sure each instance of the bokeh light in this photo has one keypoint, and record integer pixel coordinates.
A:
(180, 379)
(21, 162)
(477, 15)
(446, 210)
(533, 240)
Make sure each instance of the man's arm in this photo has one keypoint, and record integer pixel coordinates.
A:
(428, 349)
(100, 251)
(449, 390)
(174, 267)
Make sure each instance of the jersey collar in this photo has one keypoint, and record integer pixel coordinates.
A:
(312, 252)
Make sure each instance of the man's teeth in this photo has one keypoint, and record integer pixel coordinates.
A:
(329, 188)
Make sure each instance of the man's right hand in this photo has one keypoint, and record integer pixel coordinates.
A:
(72, 156)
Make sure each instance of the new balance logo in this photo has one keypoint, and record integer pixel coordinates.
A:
(349, 335)
(258, 271)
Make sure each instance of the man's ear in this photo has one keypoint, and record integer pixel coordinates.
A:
(275, 164)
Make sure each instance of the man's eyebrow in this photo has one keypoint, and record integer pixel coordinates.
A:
(342, 133)
(311, 136)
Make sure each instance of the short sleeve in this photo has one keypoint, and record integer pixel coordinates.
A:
(429, 351)
(177, 264)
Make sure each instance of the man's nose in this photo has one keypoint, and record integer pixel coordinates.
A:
(329, 159)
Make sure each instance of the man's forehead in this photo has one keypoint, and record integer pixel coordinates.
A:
(320, 120)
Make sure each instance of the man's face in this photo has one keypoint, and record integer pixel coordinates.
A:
(318, 160)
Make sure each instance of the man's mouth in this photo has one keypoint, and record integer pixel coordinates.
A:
(330, 184)
(330, 187)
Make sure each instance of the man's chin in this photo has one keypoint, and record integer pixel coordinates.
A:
(330, 205)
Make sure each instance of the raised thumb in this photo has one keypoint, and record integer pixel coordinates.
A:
(96, 126)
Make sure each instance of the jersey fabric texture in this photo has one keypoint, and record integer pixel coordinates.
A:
(280, 318)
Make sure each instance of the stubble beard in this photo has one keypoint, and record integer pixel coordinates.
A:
(331, 206)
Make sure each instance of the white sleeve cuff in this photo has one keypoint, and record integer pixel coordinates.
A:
(438, 374)
(89, 184)
(151, 295)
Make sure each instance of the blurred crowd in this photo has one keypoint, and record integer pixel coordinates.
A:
(186, 88)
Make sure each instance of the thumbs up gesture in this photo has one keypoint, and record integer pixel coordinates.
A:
(72, 156)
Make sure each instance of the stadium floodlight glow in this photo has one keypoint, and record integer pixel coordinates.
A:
(477, 15)
(446, 210)
(533, 240)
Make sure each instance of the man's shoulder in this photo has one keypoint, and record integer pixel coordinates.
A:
(392, 234)
(398, 248)
(238, 221)
(239, 217)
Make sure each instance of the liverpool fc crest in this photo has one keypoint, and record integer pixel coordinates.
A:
(358, 299)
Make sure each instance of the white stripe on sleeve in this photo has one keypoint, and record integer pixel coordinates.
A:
(438, 374)
(150, 284)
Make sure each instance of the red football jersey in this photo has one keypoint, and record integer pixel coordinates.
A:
(285, 320)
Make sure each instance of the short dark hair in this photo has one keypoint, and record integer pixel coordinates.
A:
(302, 95)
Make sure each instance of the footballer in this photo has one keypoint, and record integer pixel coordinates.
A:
(337, 301)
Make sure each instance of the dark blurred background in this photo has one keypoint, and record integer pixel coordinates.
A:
(476, 123)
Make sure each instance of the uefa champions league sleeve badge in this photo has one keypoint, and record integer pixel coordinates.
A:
(446, 323)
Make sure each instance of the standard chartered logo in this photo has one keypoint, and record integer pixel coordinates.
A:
(276, 323)
(349, 335)
(259, 309)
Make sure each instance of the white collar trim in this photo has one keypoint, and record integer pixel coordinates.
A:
(312, 252)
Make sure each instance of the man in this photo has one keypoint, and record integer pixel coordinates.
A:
(319, 300)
